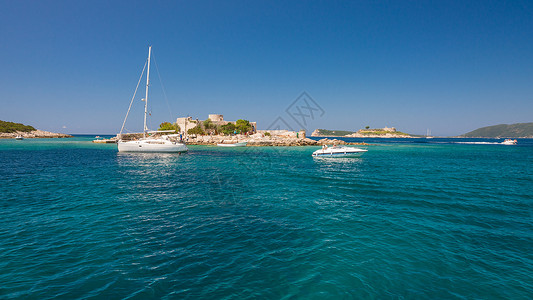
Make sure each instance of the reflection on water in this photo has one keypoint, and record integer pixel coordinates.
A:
(147, 158)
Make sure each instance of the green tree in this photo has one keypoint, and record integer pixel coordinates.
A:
(367, 127)
(209, 126)
(243, 125)
(196, 130)
(169, 126)
(228, 128)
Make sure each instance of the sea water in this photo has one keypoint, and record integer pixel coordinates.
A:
(409, 219)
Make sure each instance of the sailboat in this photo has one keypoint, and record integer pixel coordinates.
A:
(428, 134)
(153, 144)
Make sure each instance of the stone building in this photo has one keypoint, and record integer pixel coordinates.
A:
(187, 123)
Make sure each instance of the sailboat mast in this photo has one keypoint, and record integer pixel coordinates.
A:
(146, 96)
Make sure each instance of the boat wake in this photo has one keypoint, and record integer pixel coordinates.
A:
(478, 143)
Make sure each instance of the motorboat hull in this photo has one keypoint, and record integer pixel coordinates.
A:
(339, 152)
(243, 144)
(509, 142)
(147, 147)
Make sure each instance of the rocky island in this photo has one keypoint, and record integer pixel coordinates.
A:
(386, 132)
(10, 130)
(215, 130)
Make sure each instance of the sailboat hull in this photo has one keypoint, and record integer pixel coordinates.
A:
(146, 147)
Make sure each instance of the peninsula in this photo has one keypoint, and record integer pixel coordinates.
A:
(518, 130)
(10, 130)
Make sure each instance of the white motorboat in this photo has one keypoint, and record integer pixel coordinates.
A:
(241, 144)
(19, 138)
(165, 144)
(509, 142)
(339, 151)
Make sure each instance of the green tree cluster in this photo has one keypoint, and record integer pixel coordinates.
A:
(210, 127)
(196, 130)
(8, 127)
(243, 126)
(228, 128)
(169, 126)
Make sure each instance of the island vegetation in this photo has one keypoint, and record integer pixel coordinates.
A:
(518, 130)
(9, 127)
(208, 127)
(169, 126)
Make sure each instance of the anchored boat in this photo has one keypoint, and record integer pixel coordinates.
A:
(165, 144)
(242, 144)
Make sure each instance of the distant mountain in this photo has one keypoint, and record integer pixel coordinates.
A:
(519, 130)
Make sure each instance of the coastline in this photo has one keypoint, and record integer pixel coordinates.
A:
(36, 134)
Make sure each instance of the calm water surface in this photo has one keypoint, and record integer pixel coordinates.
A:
(407, 220)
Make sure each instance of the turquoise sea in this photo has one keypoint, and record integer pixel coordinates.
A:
(410, 219)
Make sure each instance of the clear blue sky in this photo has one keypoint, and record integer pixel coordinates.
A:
(450, 66)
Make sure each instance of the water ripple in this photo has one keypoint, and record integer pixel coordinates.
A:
(403, 221)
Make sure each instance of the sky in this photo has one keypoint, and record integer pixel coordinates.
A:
(447, 66)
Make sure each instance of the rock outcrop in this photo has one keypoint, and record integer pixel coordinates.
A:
(33, 134)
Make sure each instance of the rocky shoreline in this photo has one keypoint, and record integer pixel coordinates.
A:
(34, 134)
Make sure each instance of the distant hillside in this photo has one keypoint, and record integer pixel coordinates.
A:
(8, 127)
(519, 130)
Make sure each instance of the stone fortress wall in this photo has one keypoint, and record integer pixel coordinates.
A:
(186, 123)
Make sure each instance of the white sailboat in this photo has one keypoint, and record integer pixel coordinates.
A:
(428, 134)
(161, 144)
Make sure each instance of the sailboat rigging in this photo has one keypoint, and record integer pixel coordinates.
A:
(164, 143)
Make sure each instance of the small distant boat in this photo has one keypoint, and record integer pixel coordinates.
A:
(509, 142)
(339, 151)
(19, 137)
(241, 144)
(428, 134)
